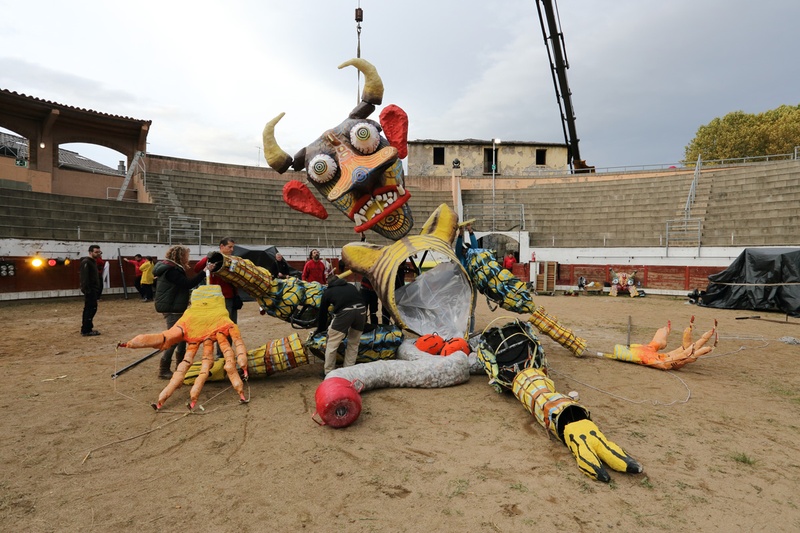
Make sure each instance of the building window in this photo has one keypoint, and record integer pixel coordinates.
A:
(541, 156)
(487, 160)
(438, 155)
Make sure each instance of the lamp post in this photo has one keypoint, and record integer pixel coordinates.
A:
(494, 169)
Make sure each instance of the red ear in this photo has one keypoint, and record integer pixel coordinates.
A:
(298, 196)
(394, 122)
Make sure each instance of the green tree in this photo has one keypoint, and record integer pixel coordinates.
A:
(739, 134)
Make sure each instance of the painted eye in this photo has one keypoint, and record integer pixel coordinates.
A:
(364, 137)
(322, 168)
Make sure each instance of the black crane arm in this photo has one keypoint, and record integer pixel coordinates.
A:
(557, 54)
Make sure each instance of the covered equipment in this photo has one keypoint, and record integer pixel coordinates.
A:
(760, 279)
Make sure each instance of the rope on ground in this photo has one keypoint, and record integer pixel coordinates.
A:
(199, 410)
(764, 343)
(629, 400)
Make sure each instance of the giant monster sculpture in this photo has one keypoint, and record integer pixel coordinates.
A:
(359, 172)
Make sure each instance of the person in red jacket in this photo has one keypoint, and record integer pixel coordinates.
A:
(314, 269)
(509, 261)
(137, 262)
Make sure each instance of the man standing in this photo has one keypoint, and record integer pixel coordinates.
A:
(349, 319)
(314, 269)
(90, 287)
(137, 262)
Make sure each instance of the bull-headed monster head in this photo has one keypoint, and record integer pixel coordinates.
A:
(352, 165)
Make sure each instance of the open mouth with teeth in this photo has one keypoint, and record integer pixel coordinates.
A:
(371, 210)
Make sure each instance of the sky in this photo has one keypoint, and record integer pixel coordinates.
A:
(644, 75)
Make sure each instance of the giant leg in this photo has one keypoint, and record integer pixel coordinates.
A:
(569, 422)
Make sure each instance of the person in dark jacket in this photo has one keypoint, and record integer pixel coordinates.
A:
(368, 294)
(173, 290)
(91, 287)
(282, 269)
(349, 318)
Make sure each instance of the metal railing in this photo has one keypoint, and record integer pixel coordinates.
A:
(496, 217)
(687, 210)
(659, 167)
(688, 231)
(185, 230)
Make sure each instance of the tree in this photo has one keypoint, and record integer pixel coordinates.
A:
(739, 134)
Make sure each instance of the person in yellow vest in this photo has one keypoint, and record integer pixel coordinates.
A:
(147, 279)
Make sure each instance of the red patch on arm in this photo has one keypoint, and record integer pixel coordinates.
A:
(298, 196)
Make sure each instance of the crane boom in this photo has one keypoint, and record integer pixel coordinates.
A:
(557, 54)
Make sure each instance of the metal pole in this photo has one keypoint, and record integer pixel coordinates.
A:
(494, 166)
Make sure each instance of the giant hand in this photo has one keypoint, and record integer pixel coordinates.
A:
(205, 322)
(649, 354)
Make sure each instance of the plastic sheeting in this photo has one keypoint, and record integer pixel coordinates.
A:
(761, 279)
(437, 302)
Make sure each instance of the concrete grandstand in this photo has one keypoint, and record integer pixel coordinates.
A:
(674, 226)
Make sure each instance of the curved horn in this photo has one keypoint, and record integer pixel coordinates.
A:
(274, 154)
(373, 85)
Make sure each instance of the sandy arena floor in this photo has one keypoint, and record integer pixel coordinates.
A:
(82, 452)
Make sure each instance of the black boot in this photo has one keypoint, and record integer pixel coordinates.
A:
(163, 367)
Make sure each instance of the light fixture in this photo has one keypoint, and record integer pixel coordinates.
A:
(6, 269)
(37, 262)
(41, 145)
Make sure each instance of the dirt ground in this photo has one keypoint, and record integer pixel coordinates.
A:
(82, 452)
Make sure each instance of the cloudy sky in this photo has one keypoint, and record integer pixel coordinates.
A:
(644, 75)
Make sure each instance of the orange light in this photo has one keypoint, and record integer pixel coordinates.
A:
(37, 262)
(67, 261)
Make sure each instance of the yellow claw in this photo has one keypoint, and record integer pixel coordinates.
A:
(591, 449)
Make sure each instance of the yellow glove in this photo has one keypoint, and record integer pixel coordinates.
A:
(590, 447)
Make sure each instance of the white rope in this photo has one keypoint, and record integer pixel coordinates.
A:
(673, 373)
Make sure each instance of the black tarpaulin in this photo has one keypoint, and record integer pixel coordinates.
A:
(760, 279)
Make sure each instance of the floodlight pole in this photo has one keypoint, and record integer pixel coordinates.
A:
(494, 169)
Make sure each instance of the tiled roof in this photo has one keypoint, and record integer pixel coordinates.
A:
(56, 104)
(13, 145)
